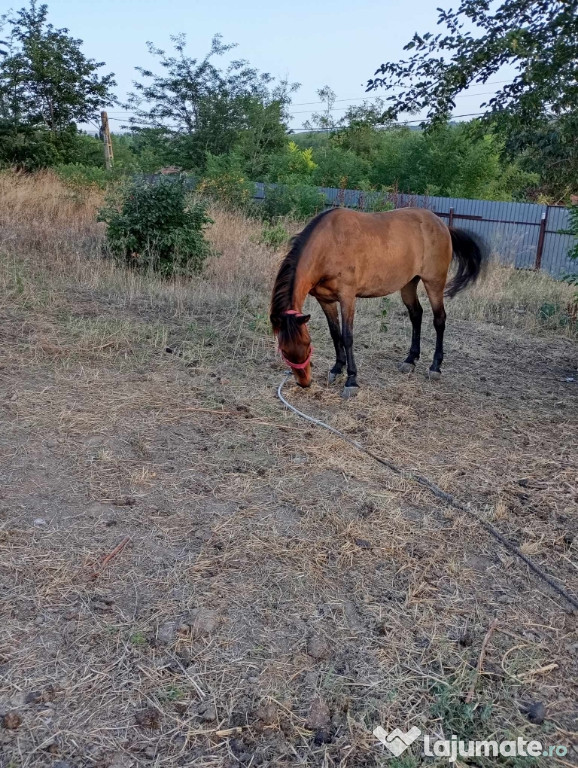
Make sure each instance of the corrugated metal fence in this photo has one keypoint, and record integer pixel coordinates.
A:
(526, 235)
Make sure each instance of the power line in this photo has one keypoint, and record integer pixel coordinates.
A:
(404, 122)
(302, 130)
(340, 109)
(366, 98)
(467, 93)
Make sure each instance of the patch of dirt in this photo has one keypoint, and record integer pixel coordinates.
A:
(280, 595)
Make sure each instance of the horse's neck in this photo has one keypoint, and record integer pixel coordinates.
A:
(305, 278)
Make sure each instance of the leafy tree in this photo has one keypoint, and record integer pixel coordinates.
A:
(357, 129)
(202, 108)
(338, 167)
(46, 80)
(537, 38)
(47, 85)
(323, 121)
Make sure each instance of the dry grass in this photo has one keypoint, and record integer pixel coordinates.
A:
(267, 566)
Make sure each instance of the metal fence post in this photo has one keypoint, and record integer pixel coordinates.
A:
(541, 238)
(451, 218)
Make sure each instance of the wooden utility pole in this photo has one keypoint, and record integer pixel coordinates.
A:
(105, 133)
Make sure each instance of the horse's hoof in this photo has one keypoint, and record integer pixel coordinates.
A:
(434, 375)
(349, 392)
(332, 377)
(406, 367)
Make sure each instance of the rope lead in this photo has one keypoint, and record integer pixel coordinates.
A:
(436, 491)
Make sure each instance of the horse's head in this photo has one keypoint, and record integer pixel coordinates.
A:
(295, 344)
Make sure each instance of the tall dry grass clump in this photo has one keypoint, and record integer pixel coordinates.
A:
(41, 216)
(243, 263)
(519, 298)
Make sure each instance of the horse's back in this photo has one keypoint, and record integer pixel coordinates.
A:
(373, 254)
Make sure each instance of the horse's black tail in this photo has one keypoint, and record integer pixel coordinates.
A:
(470, 254)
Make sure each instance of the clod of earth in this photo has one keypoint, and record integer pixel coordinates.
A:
(318, 648)
(149, 718)
(202, 622)
(267, 713)
(207, 712)
(319, 716)
(167, 632)
(322, 736)
(11, 721)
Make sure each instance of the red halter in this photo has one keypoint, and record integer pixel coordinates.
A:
(296, 366)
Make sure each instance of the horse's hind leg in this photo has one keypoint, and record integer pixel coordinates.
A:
(435, 293)
(415, 311)
(347, 314)
(332, 315)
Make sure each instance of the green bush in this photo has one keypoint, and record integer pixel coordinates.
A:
(157, 226)
(274, 235)
(79, 175)
(375, 202)
(299, 201)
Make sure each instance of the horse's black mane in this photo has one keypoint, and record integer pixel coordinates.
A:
(285, 282)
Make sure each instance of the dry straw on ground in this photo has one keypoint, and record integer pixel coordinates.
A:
(278, 597)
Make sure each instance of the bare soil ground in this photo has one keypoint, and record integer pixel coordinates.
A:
(278, 596)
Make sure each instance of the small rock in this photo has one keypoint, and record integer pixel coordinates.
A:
(40, 522)
(62, 764)
(207, 712)
(149, 717)
(120, 760)
(53, 747)
(34, 697)
(267, 713)
(167, 632)
(319, 717)
(535, 712)
(150, 753)
(39, 621)
(11, 721)
(202, 622)
(97, 509)
(317, 648)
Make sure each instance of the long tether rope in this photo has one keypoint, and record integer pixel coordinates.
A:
(436, 491)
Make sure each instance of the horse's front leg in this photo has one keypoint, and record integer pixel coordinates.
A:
(332, 315)
(347, 314)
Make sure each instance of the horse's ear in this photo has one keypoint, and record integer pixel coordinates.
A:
(302, 319)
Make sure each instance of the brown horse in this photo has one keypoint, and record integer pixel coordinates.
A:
(342, 255)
